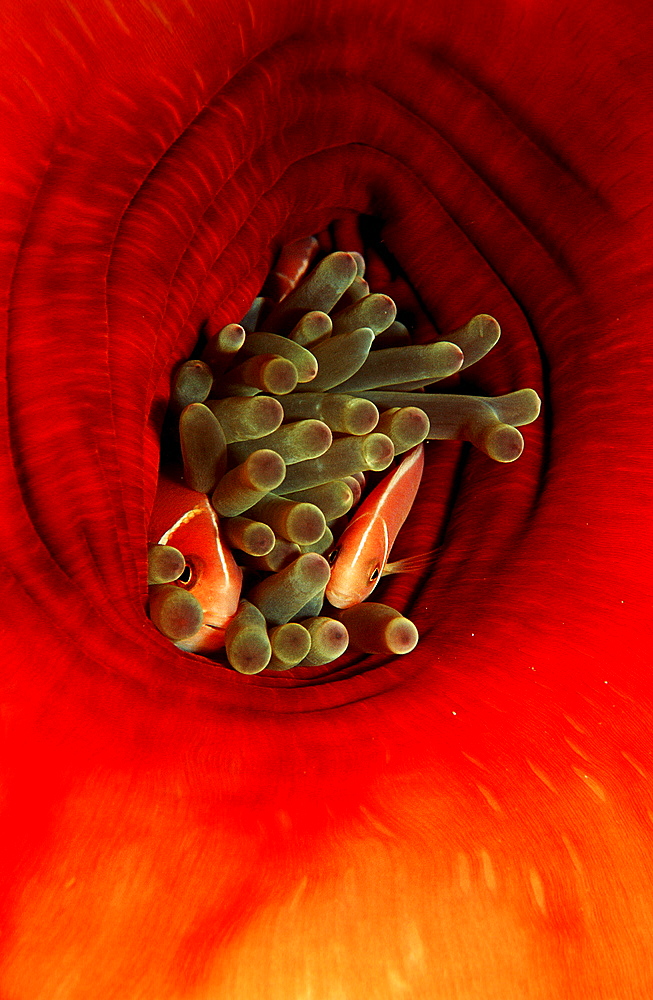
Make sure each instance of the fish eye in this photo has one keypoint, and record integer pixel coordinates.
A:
(333, 555)
(374, 575)
(188, 576)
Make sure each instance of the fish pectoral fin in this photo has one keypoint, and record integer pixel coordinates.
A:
(411, 564)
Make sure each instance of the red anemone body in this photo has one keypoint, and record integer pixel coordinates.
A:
(473, 820)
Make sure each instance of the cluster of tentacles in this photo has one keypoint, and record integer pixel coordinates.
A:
(281, 423)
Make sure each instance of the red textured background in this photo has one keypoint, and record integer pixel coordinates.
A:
(473, 821)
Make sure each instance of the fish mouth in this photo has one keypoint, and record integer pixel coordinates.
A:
(340, 600)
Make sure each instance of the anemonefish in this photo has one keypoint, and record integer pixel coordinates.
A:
(360, 558)
(186, 520)
(291, 266)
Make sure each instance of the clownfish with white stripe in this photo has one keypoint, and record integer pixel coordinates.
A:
(186, 520)
(360, 557)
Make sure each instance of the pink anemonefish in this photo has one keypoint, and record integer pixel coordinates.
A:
(360, 557)
(185, 519)
(293, 263)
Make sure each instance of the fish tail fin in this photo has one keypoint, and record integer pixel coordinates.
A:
(411, 564)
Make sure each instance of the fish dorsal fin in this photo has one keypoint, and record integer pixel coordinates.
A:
(411, 564)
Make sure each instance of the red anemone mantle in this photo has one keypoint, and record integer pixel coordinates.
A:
(473, 821)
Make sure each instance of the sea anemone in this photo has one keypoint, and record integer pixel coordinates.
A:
(295, 462)
(471, 820)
